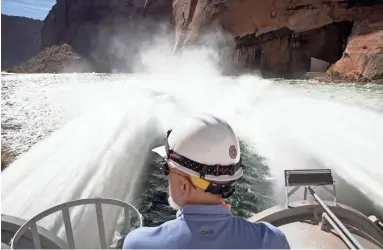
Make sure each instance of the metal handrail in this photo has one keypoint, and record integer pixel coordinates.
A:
(64, 207)
(341, 234)
(336, 223)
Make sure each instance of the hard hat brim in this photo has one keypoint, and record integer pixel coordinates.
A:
(160, 151)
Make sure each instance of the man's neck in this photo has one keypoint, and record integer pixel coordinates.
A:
(211, 203)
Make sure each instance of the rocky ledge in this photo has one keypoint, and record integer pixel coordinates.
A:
(55, 59)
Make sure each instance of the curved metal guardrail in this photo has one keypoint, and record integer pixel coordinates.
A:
(64, 207)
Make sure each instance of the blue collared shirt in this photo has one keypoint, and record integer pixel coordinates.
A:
(207, 226)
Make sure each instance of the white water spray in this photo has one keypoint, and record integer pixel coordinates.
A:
(93, 156)
(297, 133)
(113, 121)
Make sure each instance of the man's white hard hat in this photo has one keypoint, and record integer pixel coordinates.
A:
(207, 140)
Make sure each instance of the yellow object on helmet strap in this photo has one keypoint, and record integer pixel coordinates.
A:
(200, 182)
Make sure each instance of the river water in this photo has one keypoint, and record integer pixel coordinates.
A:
(90, 135)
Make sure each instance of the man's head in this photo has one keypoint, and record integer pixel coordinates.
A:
(202, 160)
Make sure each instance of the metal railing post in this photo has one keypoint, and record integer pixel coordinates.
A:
(340, 227)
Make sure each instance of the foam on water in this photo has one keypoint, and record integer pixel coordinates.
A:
(108, 124)
(93, 156)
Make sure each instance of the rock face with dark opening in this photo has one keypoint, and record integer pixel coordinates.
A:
(363, 56)
(314, 30)
(20, 39)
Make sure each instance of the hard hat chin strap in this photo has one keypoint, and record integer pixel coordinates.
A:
(225, 190)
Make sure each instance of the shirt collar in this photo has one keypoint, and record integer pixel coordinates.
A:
(194, 209)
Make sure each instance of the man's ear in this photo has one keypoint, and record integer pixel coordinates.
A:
(185, 186)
